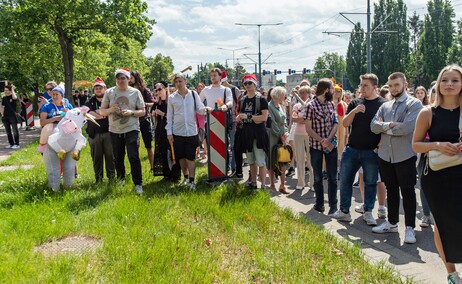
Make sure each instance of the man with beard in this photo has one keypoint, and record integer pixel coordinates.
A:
(98, 136)
(321, 125)
(395, 121)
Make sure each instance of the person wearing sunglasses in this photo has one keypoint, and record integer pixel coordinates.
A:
(253, 112)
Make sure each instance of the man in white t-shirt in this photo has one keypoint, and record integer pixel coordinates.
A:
(215, 92)
(124, 105)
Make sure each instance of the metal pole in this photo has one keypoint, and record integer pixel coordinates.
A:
(368, 36)
(259, 56)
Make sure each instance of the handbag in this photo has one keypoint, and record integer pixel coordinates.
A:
(284, 154)
(437, 160)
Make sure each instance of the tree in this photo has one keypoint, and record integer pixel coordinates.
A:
(437, 38)
(160, 68)
(415, 69)
(330, 65)
(68, 23)
(390, 48)
(356, 59)
(455, 53)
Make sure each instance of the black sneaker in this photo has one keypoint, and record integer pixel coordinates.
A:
(290, 172)
(319, 208)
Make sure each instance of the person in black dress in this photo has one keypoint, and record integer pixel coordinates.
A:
(159, 112)
(443, 188)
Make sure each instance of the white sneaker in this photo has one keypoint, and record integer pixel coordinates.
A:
(370, 220)
(385, 227)
(409, 235)
(192, 186)
(15, 147)
(382, 212)
(426, 221)
(341, 216)
(185, 182)
(8, 146)
(360, 208)
(454, 278)
(139, 189)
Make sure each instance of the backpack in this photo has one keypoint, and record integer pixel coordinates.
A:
(258, 97)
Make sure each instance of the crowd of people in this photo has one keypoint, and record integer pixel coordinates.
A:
(379, 133)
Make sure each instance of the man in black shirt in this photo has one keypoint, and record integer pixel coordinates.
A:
(8, 112)
(99, 137)
(360, 150)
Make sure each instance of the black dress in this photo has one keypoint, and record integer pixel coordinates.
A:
(162, 146)
(443, 188)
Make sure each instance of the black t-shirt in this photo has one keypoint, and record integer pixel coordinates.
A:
(83, 99)
(249, 106)
(10, 106)
(92, 128)
(361, 136)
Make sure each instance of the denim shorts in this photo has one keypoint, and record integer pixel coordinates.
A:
(257, 156)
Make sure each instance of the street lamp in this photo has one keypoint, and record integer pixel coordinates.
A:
(259, 47)
(233, 50)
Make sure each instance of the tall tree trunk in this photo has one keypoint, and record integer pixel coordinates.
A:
(67, 49)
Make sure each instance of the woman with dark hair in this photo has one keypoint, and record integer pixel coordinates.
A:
(136, 81)
(159, 112)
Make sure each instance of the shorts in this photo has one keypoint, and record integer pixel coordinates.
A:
(257, 156)
(145, 129)
(185, 147)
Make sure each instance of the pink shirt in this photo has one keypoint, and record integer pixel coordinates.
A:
(299, 127)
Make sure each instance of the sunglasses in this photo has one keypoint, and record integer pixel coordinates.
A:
(158, 90)
(49, 89)
(248, 83)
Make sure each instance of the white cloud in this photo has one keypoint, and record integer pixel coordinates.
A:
(191, 31)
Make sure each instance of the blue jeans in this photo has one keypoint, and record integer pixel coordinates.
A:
(331, 167)
(352, 160)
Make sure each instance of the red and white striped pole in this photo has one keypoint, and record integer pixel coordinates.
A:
(217, 145)
(29, 116)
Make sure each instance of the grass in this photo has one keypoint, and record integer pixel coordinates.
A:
(161, 236)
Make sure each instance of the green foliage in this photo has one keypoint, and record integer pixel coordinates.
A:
(330, 65)
(160, 68)
(390, 51)
(455, 53)
(40, 28)
(437, 38)
(356, 60)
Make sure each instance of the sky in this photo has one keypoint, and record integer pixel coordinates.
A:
(192, 32)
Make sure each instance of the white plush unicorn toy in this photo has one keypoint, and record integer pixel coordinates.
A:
(67, 135)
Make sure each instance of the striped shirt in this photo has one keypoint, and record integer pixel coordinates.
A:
(322, 117)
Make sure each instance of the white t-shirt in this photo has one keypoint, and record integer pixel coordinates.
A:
(212, 94)
(130, 99)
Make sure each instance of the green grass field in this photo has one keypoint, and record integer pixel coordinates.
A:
(160, 237)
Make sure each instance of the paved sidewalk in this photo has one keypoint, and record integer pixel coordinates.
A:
(25, 138)
(419, 261)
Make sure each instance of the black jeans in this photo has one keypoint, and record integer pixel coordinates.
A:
(131, 141)
(10, 123)
(398, 176)
(238, 150)
(102, 153)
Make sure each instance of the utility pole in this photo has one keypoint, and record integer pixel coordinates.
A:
(368, 32)
(259, 44)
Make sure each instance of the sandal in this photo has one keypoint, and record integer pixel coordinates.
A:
(283, 190)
